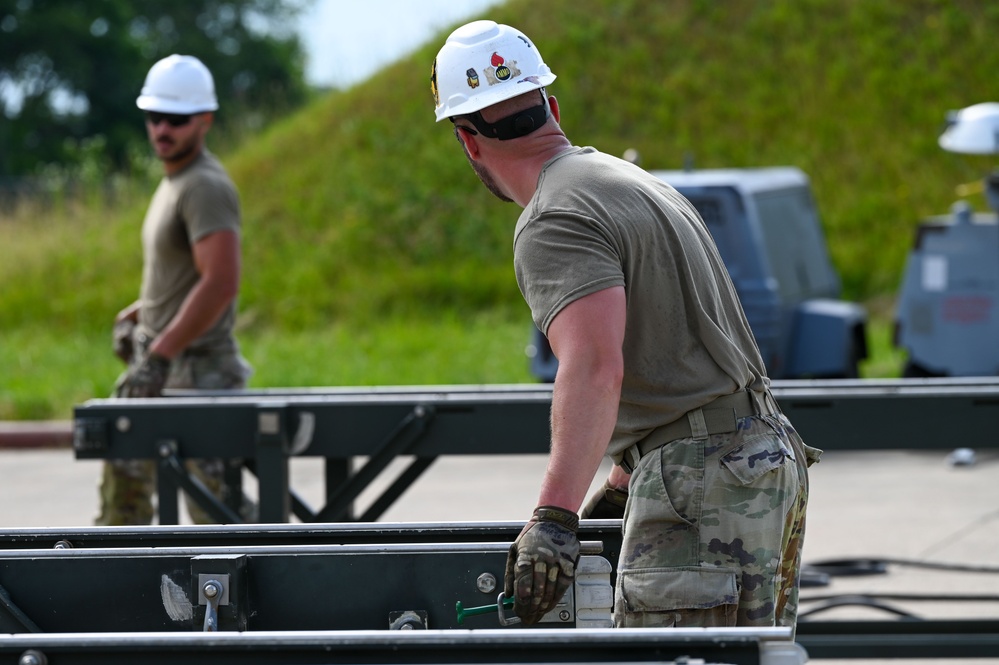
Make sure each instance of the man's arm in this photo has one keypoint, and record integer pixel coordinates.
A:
(587, 338)
(217, 259)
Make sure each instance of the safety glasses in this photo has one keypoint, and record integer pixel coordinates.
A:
(172, 119)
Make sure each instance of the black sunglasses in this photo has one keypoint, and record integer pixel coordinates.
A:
(172, 119)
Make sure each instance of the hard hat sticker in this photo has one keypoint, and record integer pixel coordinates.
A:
(501, 70)
(472, 77)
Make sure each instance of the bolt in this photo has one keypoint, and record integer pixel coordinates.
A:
(406, 626)
(166, 450)
(420, 411)
(564, 615)
(63, 545)
(123, 424)
(32, 657)
(486, 583)
(211, 589)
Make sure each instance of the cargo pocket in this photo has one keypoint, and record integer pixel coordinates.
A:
(756, 457)
(677, 597)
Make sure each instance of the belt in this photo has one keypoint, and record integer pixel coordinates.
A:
(719, 416)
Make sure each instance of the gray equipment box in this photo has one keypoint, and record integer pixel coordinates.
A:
(947, 319)
(767, 229)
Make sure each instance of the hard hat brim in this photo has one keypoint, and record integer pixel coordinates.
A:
(460, 104)
(163, 105)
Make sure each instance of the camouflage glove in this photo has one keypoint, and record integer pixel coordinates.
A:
(542, 561)
(147, 378)
(121, 336)
(607, 503)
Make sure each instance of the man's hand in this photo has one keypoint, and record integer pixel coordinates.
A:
(147, 378)
(542, 561)
(121, 336)
(607, 503)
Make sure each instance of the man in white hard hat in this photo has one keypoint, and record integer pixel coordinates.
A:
(658, 367)
(179, 333)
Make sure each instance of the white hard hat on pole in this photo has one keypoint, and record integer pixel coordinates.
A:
(973, 130)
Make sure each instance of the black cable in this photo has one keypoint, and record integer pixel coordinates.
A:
(878, 566)
(990, 598)
(850, 600)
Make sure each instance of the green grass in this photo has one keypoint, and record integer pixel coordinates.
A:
(372, 255)
(884, 360)
(487, 349)
(47, 372)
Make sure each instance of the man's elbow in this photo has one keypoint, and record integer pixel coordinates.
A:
(613, 371)
(229, 292)
(604, 371)
(224, 289)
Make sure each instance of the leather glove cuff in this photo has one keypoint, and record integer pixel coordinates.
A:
(157, 362)
(606, 503)
(566, 518)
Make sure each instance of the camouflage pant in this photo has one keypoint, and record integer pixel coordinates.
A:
(713, 530)
(128, 486)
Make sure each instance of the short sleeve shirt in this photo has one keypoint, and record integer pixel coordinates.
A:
(597, 222)
(187, 206)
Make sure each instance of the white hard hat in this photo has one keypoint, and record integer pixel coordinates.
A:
(178, 84)
(973, 130)
(484, 63)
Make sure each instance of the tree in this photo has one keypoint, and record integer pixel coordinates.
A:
(70, 70)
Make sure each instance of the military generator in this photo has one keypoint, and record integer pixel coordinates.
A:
(946, 318)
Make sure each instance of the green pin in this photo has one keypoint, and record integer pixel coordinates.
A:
(483, 609)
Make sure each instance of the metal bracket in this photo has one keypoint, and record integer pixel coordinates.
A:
(220, 586)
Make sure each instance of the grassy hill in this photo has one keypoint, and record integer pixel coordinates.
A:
(373, 255)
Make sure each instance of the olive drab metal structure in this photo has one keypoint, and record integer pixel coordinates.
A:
(947, 316)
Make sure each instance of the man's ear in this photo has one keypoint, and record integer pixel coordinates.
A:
(467, 139)
(553, 105)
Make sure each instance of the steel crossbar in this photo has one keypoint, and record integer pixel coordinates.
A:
(266, 428)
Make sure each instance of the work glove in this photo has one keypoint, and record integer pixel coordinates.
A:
(121, 337)
(147, 378)
(541, 563)
(607, 503)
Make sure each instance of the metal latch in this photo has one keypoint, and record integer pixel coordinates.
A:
(213, 593)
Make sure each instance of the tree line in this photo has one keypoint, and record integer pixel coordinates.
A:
(70, 71)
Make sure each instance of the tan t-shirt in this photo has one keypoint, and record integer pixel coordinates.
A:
(186, 207)
(596, 222)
